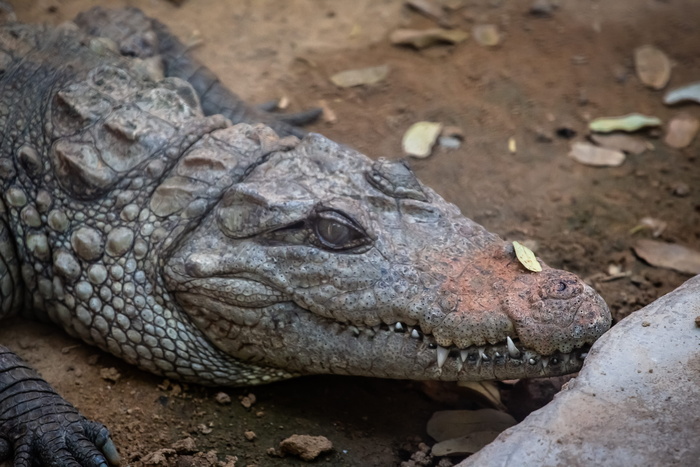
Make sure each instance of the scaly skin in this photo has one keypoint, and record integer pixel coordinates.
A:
(221, 254)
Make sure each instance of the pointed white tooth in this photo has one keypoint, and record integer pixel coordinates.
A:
(545, 362)
(583, 355)
(512, 349)
(463, 354)
(532, 361)
(460, 365)
(442, 354)
(398, 327)
(355, 331)
(415, 334)
(482, 355)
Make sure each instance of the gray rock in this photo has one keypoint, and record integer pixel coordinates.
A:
(636, 401)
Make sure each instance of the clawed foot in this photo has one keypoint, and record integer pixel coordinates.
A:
(40, 428)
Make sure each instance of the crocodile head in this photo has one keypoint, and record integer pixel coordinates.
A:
(322, 261)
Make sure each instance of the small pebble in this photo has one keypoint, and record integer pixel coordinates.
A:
(681, 190)
(542, 8)
(248, 400)
(222, 398)
(306, 447)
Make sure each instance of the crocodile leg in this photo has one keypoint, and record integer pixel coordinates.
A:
(37, 426)
(40, 427)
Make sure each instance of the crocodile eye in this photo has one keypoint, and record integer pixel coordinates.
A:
(338, 232)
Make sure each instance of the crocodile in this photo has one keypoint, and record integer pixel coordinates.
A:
(215, 250)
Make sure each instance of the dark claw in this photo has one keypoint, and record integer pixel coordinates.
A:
(40, 428)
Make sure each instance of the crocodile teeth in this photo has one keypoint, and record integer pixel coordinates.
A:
(398, 327)
(482, 354)
(545, 362)
(415, 334)
(512, 349)
(463, 354)
(442, 354)
(583, 355)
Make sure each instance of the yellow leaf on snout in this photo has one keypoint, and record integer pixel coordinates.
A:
(527, 257)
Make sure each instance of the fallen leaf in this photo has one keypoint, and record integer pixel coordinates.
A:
(283, 103)
(428, 8)
(360, 76)
(526, 257)
(656, 226)
(426, 37)
(596, 156)
(622, 142)
(419, 139)
(486, 35)
(630, 122)
(689, 92)
(653, 66)
(669, 256)
(327, 114)
(512, 145)
(450, 424)
(681, 131)
(464, 445)
(486, 389)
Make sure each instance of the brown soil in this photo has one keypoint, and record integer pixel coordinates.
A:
(548, 73)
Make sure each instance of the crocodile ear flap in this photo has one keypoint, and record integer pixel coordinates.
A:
(252, 209)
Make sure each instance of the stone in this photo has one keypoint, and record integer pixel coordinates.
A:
(306, 447)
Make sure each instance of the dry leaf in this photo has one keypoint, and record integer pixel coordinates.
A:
(630, 122)
(622, 142)
(328, 115)
(486, 35)
(669, 256)
(464, 445)
(430, 9)
(526, 257)
(681, 131)
(689, 92)
(419, 139)
(657, 226)
(486, 389)
(449, 424)
(427, 37)
(590, 154)
(360, 76)
(653, 66)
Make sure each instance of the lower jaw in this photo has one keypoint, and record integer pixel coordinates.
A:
(291, 338)
(378, 353)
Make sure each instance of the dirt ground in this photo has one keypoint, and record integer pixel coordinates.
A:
(547, 74)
